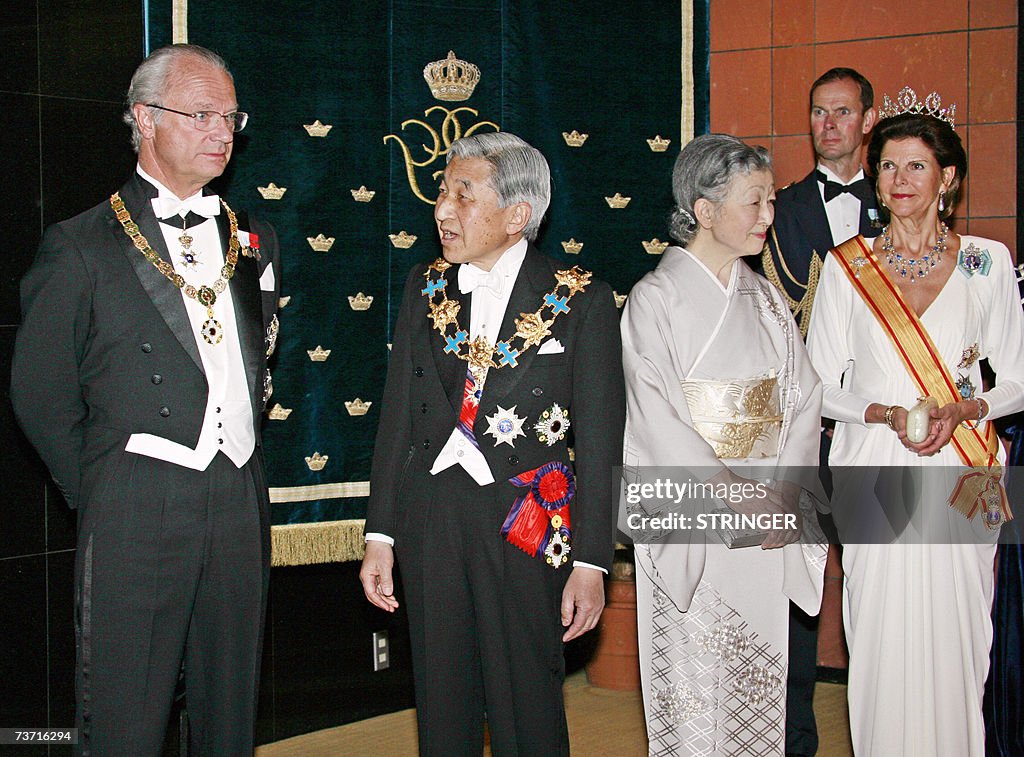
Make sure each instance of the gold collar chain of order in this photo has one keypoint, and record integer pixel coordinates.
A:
(206, 296)
(531, 328)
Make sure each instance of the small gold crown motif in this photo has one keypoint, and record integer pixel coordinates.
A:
(317, 461)
(907, 102)
(402, 240)
(362, 194)
(618, 201)
(572, 246)
(620, 299)
(451, 79)
(319, 355)
(360, 301)
(658, 144)
(320, 243)
(282, 302)
(655, 246)
(357, 407)
(278, 413)
(272, 191)
(574, 138)
(317, 129)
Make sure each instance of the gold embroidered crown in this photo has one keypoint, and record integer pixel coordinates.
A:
(451, 79)
(317, 461)
(357, 407)
(402, 240)
(272, 191)
(320, 243)
(658, 144)
(574, 138)
(655, 246)
(282, 302)
(360, 301)
(620, 299)
(907, 102)
(618, 201)
(362, 194)
(319, 355)
(572, 246)
(278, 413)
(317, 129)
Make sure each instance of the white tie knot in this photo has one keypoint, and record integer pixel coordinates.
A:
(471, 277)
(206, 206)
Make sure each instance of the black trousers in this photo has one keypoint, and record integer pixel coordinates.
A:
(172, 566)
(485, 625)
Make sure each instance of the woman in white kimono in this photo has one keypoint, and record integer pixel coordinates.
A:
(907, 317)
(717, 380)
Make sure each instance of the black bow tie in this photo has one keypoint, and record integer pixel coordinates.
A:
(191, 220)
(861, 189)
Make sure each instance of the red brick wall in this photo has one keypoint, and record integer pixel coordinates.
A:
(766, 53)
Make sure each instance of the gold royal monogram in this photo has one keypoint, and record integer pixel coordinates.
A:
(437, 142)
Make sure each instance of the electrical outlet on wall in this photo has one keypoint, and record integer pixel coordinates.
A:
(381, 651)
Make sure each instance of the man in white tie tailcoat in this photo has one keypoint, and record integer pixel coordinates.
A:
(140, 376)
(504, 363)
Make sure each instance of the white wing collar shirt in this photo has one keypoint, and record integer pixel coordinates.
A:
(843, 210)
(491, 291)
(227, 423)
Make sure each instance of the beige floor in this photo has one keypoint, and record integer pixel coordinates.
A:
(601, 723)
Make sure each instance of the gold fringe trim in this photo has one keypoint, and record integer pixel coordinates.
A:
(310, 543)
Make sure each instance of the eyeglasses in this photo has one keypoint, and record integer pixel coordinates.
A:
(207, 120)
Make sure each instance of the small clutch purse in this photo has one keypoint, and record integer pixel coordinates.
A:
(735, 538)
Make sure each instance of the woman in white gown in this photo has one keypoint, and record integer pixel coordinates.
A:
(907, 317)
(718, 380)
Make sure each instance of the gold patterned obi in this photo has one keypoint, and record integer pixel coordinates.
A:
(738, 418)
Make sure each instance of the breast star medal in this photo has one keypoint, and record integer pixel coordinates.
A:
(505, 426)
(552, 425)
(557, 551)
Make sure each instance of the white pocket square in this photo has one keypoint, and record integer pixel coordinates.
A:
(551, 347)
(267, 279)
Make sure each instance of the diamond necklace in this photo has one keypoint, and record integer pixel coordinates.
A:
(917, 268)
(212, 331)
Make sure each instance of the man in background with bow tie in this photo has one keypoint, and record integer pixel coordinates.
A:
(504, 360)
(833, 203)
(140, 375)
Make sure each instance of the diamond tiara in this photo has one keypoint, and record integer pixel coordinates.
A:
(907, 102)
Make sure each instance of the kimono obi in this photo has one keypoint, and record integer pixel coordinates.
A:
(738, 418)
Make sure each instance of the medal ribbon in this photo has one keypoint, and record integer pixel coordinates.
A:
(976, 448)
(470, 405)
(542, 510)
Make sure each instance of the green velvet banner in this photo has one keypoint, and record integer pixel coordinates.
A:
(620, 73)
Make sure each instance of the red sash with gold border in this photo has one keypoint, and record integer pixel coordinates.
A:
(977, 444)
